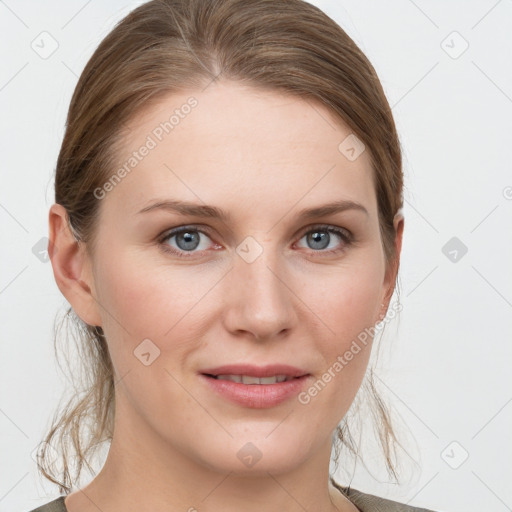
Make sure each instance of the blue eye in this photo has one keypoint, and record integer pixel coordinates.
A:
(320, 237)
(188, 238)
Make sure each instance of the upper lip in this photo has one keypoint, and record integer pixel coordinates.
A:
(255, 371)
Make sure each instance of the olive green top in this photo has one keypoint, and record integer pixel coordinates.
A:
(364, 502)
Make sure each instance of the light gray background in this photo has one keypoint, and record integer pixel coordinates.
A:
(448, 370)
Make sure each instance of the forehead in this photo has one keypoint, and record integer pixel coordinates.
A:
(232, 143)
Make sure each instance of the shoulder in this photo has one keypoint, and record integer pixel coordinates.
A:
(370, 503)
(363, 501)
(53, 506)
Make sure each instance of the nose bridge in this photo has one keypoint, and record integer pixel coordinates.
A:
(260, 301)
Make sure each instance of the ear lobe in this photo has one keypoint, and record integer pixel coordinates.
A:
(71, 267)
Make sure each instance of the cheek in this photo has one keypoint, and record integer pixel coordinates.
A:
(346, 304)
(347, 300)
(141, 302)
(145, 298)
(142, 299)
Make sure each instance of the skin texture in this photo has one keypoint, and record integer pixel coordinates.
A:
(262, 157)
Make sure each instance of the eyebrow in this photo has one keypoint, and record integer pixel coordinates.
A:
(213, 212)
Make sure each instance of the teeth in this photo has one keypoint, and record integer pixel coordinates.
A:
(232, 378)
(249, 379)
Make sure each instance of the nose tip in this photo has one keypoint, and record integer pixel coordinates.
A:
(258, 299)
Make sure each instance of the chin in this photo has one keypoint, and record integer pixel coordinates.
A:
(253, 455)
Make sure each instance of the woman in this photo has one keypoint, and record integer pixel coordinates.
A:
(227, 229)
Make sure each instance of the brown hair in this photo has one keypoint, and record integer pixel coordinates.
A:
(165, 46)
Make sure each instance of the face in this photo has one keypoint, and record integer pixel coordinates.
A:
(181, 293)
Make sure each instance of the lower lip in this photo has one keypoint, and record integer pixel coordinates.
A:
(257, 396)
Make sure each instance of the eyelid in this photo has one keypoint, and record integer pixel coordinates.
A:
(206, 229)
(169, 233)
(326, 227)
(343, 233)
(184, 227)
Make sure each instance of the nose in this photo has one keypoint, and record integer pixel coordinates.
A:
(259, 297)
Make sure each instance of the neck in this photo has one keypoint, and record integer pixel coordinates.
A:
(145, 472)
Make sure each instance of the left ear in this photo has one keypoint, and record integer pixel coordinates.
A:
(392, 270)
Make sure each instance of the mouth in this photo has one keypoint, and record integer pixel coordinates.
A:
(252, 374)
(256, 387)
(251, 379)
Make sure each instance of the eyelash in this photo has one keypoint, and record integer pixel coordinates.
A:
(344, 234)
